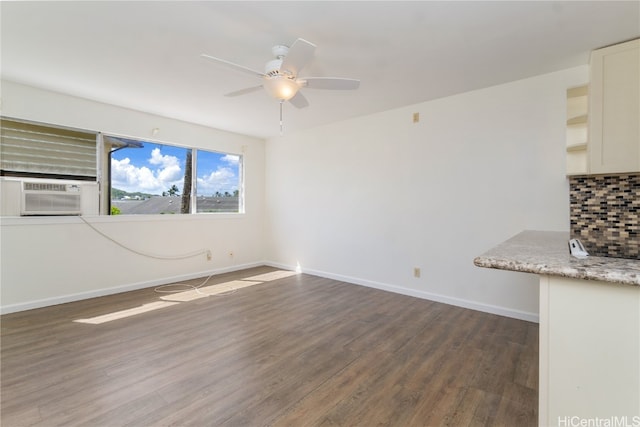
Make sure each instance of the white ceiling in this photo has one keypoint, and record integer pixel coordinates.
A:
(146, 55)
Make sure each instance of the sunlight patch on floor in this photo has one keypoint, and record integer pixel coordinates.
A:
(126, 313)
(205, 291)
(274, 275)
(192, 293)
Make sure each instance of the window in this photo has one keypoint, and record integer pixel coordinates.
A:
(40, 151)
(120, 175)
(218, 182)
(151, 178)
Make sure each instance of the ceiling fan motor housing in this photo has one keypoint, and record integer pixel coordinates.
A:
(280, 51)
(272, 68)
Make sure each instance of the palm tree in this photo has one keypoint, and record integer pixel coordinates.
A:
(185, 203)
(173, 190)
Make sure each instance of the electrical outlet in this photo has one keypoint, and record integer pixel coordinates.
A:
(416, 272)
(416, 117)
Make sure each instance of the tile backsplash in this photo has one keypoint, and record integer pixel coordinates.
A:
(605, 214)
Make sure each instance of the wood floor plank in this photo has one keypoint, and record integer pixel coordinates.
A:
(280, 350)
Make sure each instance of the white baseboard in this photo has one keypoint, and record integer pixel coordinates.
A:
(459, 302)
(12, 308)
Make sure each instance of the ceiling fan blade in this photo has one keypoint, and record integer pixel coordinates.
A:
(299, 101)
(300, 53)
(334, 83)
(244, 91)
(233, 66)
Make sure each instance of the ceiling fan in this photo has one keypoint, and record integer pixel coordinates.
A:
(280, 78)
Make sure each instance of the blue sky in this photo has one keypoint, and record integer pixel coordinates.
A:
(154, 168)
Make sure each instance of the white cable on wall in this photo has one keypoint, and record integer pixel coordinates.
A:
(206, 252)
(166, 288)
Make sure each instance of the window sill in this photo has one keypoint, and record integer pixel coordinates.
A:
(45, 220)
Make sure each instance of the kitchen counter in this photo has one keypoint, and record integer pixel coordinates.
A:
(589, 331)
(547, 253)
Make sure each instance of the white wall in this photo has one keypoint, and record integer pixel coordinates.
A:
(51, 260)
(368, 199)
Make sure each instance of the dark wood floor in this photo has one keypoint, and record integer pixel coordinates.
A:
(291, 351)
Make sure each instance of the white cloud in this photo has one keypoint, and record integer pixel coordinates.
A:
(170, 174)
(163, 160)
(223, 179)
(128, 177)
(231, 159)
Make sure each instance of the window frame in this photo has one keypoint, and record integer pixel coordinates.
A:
(193, 202)
(194, 182)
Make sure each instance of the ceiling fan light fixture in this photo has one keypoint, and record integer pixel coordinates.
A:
(281, 87)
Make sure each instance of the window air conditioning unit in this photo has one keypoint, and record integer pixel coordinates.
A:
(49, 198)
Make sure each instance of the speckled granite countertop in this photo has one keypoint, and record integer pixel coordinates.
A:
(547, 252)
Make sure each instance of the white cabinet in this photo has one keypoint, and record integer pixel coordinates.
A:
(589, 352)
(614, 109)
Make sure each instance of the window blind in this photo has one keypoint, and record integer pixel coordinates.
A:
(39, 149)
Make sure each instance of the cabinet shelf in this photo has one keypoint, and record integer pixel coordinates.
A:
(578, 91)
(579, 120)
(577, 131)
(577, 147)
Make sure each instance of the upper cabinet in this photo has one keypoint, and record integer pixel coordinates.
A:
(614, 109)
